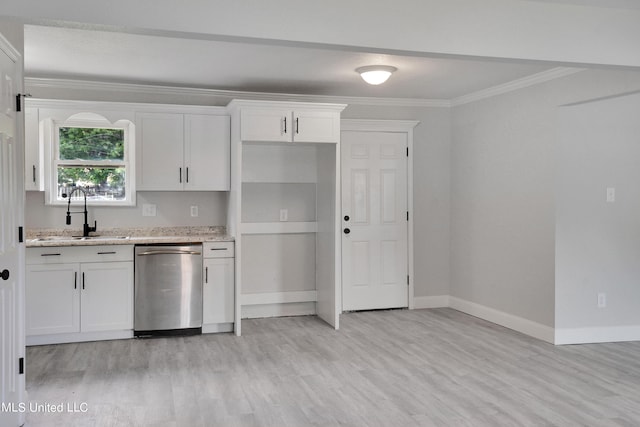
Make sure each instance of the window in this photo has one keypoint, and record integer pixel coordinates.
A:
(91, 153)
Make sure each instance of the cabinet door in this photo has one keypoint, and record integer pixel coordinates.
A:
(159, 151)
(33, 173)
(271, 124)
(52, 299)
(316, 126)
(107, 296)
(218, 291)
(207, 153)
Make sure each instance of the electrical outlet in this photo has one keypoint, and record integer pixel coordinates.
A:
(194, 211)
(611, 195)
(148, 210)
(284, 214)
(602, 300)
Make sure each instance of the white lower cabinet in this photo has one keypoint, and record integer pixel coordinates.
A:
(218, 290)
(52, 299)
(78, 301)
(106, 296)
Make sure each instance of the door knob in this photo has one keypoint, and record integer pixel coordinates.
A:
(5, 274)
(347, 231)
(346, 217)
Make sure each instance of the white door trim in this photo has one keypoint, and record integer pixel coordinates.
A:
(403, 126)
(14, 55)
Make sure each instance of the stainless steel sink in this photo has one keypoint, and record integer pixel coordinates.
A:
(76, 238)
(102, 238)
(53, 238)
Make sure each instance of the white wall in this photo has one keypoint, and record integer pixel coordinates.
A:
(172, 208)
(598, 243)
(491, 28)
(502, 193)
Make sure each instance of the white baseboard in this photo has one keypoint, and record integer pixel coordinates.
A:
(217, 327)
(278, 310)
(78, 337)
(597, 334)
(525, 326)
(437, 301)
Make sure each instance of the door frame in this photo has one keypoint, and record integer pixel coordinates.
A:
(16, 56)
(398, 126)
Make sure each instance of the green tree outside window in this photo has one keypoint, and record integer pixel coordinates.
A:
(100, 145)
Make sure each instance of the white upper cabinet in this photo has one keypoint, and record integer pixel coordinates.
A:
(316, 126)
(266, 124)
(33, 156)
(182, 152)
(207, 156)
(160, 145)
(276, 123)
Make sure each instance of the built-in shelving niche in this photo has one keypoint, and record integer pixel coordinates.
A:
(285, 155)
(281, 258)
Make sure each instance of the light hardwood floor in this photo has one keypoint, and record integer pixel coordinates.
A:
(385, 368)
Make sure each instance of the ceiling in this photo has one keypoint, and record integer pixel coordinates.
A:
(108, 56)
(611, 4)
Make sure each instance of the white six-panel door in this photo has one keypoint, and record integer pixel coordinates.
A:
(374, 220)
(10, 313)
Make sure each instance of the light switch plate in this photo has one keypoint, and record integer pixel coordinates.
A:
(284, 214)
(602, 300)
(611, 195)
(148, 210)
(194, 211)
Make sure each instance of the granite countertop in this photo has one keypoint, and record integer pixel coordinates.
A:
(126, 236)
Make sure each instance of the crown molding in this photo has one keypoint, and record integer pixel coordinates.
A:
(110, 106)
(69, 84)
(378, 125)
(8, 48)
(534, 79)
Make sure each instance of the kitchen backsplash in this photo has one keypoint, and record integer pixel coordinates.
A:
(172, 209)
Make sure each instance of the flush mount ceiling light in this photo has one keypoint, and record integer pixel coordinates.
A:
(375, 74)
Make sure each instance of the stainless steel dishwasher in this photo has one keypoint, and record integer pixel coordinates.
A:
(168, 290)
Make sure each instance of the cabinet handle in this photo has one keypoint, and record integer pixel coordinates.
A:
(75, 280)
(107, 253)
(206, 275)
(297, 127)
(285, 125)
(34, 174)
(187, 175)
(49, 254)
(83, 280)
(218, 249)
(180, 175)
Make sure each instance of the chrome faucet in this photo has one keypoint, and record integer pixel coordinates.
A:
(85, 227)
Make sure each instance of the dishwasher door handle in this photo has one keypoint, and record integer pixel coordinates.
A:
(169, 252)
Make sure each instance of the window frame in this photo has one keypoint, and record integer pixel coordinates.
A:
(92, 120)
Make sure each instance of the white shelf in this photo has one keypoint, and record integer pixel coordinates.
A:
(278, 227)
(279, 297)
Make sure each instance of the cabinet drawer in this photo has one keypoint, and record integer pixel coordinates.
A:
(66, 254)
(218, 249)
